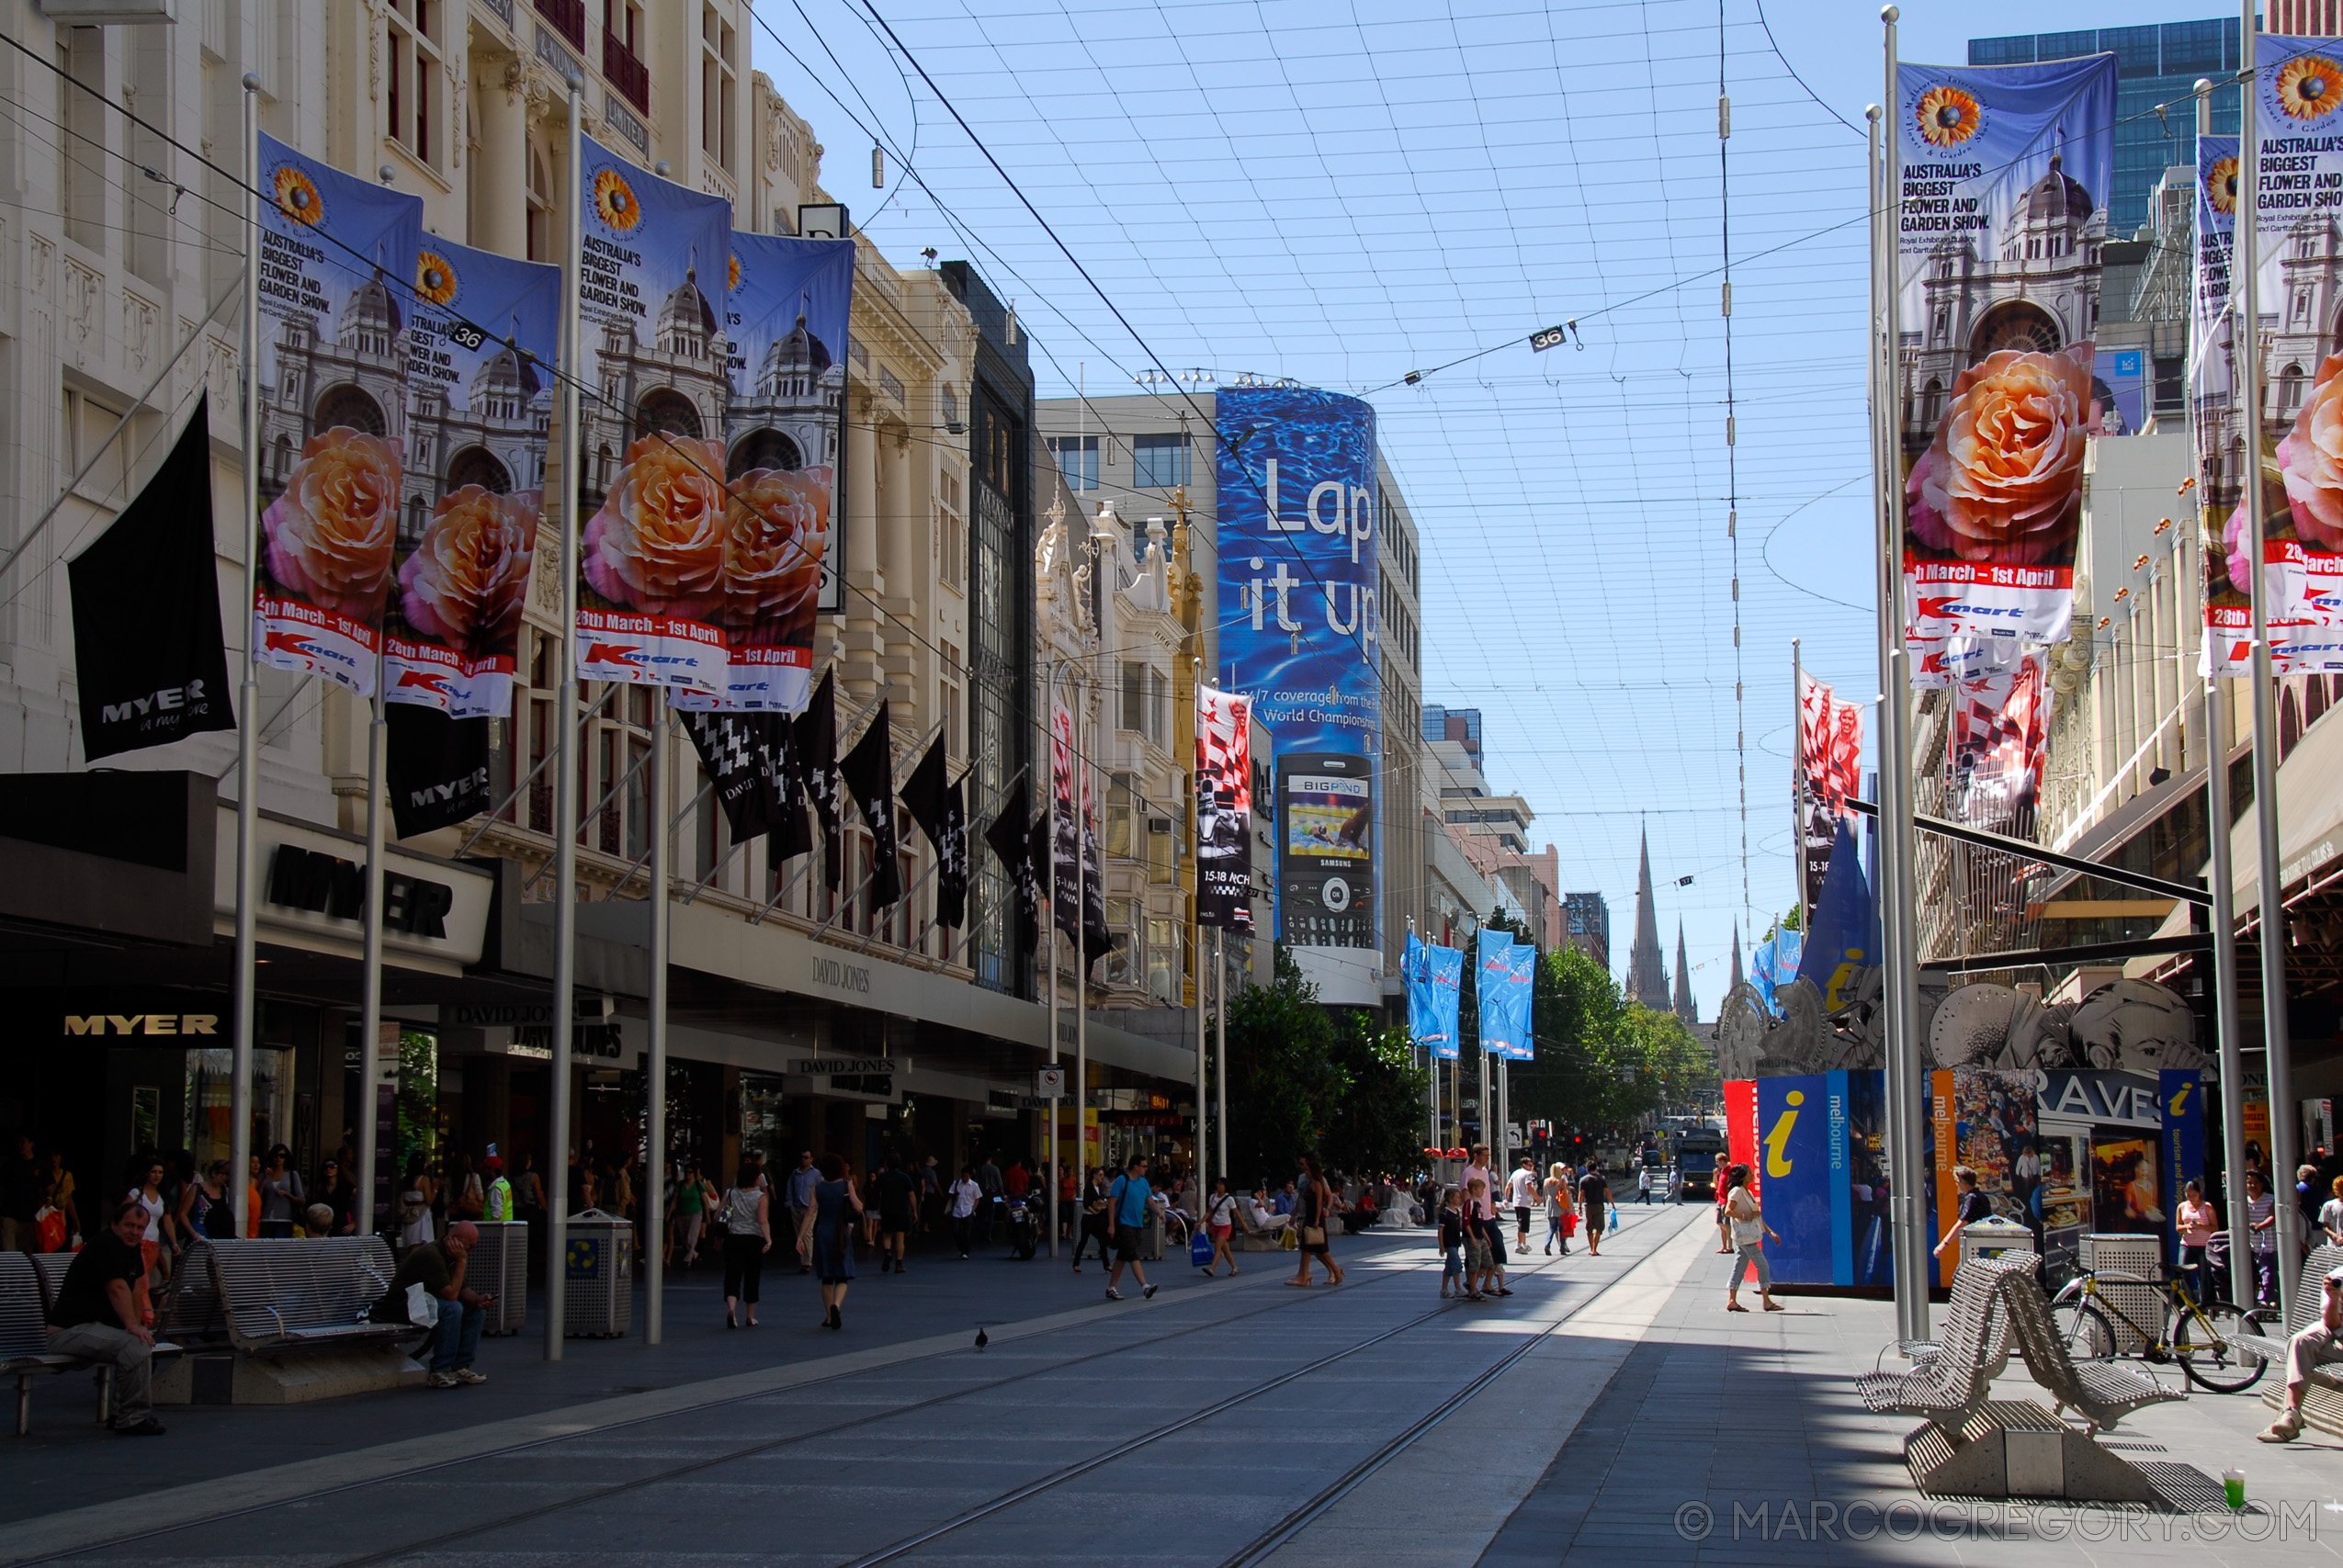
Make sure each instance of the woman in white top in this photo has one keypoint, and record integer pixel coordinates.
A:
(1220, 1218)
(1750, 1231)
(1558, 1205)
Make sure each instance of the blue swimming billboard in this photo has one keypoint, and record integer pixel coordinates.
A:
(1297, 502)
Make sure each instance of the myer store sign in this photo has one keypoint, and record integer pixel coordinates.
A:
(312, 887)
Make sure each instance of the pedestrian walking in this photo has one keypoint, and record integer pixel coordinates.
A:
(898, 1196)
(1750, 1231)
(688, 1204)
(1093, 1221)
(1522, 1192)
(965, 1194)
(415, 1193)
(1480, 1249)
(1451, 1220)
(1220, 1222)
(1314, 1207)
(2261, 1232)
(797, 1199)
(1126, 1207)
(497, 1202)
(2196, 1220)
(281, 1196)
(1974, 1206)
(1594, 1196)
(1561, 1209)
(748, 1236)
(1643, 1185)
(837, 1206)
(1723, 1223)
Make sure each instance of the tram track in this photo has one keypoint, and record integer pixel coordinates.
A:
(1252, 1552)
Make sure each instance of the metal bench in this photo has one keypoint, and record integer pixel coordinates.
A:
(28, 1286)
(2103, 1393)
(1949, 1387)
(280, 1295)
(2322, 1398)
(1250, 1238)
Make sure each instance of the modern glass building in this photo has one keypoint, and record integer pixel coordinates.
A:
(2155, 65)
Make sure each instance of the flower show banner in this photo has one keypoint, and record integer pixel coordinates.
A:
(653, 590)
(2003, 175)
(784, 325)
(1224, 811)
(335, 254)
(1298, 603)
(1435, 987)
(483, 341)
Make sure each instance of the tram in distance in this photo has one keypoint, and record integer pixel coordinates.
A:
(1699, 1151)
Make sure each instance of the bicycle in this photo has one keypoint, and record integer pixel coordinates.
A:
(2196, 1336)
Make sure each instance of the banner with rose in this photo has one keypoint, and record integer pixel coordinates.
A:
(653, 586)
(786, 323)
(483, 342)
(2002, 175)
(1066, 900)
(335, 254)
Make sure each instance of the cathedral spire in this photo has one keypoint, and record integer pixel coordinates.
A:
(1739, 979)
(1684, 1008)
(1647, 977)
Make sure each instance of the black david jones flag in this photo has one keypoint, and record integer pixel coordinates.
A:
(148, 655)
(869, 774)
(937, 807)
(437, 768)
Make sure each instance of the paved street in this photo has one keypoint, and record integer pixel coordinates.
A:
(1237, 1422)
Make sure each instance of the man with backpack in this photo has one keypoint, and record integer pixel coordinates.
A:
(1126, 1205)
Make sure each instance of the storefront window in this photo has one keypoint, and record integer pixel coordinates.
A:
(1162, 956)
(765, 1132)
(209, 1085)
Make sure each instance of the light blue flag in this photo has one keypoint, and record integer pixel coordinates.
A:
(1495, 961)
(1521, 988)
(1433, 976)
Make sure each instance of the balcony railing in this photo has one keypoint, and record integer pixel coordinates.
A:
(624, 72)
(568, 18)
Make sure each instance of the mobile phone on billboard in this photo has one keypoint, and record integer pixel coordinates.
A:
(1325, 849)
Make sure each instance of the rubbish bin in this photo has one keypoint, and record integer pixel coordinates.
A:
(598, 1276)
(1151, 1239)
(1996, 1237)
(2131, 1270)
(499, 1266)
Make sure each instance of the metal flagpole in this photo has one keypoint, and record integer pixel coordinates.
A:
(1195, 905)
(2221, 816)
(1797, 785)
(1220, 1042)
(1081, 963)
(655, 1245)
(370, 981)
(247, 999)
(1049, 923)
(2277, 1043)
(565, 772)
(1900, 934)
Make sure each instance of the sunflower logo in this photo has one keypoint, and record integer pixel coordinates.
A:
(2308, 87)
(435, 279)
(614, 203)
(297, 197)
(733, 272)
(2221, 186)
(1947, 117)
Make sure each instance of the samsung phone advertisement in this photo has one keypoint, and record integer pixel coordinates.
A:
(1298, 632)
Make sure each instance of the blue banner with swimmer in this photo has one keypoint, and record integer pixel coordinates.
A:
(1434, 977)
(1297, 511)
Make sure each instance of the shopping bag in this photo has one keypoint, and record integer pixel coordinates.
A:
(49, 1230)
(1570, 1224)
(1200, 1249)
(422, 1310)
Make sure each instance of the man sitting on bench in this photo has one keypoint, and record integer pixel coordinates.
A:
(2318, 1342)
(1257, 1216)
(438, 1268)
(96, 1317)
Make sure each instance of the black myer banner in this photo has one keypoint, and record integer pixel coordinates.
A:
(437, 769)
(148, 653)
(1224, 811)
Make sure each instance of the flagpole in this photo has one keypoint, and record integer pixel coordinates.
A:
(1220, 1041)
(654, 1246)
(371, 980)
(1050, 810)
(1899, 930)
(1797, 780)
(565, 772)
(1082, 964)
(2245, 332)
(2221, 816)
(247, 999)
(1195, 905)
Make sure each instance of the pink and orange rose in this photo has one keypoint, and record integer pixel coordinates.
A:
(331, 534)
(658, 543)
(780, 528)
(465, 584)
(2311, 456)
(2002, 480)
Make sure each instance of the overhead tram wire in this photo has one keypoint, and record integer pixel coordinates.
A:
(1732, 458)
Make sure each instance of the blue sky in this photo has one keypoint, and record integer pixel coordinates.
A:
(1343, 192)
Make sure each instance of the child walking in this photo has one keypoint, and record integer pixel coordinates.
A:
(1451, 1245)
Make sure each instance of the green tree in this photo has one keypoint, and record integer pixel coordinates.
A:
(1377, 1122)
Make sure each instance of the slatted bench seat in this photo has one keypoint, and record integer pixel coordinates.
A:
(2103, 1393)
(2322, 1399)
(1250, 1238)
(28, 1287)
(285, 1294)
(1953, 1384)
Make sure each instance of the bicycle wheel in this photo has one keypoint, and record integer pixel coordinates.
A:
(2084, 1330)
(2202, 1343)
